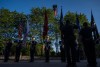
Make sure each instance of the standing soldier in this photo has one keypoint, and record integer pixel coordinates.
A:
(62, 53)
(47, 49)
(7, 50)
(88, 43)
(18, 51)
(69, 42)
(32, 49)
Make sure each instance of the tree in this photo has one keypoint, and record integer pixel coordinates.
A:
(72, 17)
(9, 21)
(37, 20)
(6, 23)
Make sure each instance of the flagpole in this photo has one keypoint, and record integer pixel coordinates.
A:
(56, 34)
(41, 34)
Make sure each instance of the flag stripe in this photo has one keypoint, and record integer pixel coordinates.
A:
(45, 27)
(27, 30)
(20, 29)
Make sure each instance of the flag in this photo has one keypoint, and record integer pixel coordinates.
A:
(45, 27)
(79, 28)
(27, 30)
(28, 27)
(61, 23)
(55, 10)
(92, 19)
(95, 31)
(20, 29)
(78, 23)
(61, 18)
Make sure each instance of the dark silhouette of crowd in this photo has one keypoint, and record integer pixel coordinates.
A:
(70, 50)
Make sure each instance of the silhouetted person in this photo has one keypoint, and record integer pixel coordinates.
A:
(62, 53)
(69, 42)
(47, 49)
(88, 43)
(18, 51)
(7, 50)
(32, 49)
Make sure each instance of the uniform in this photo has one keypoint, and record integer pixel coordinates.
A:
(7, 51)
(32, 50)
(89, 44)
(62, 53)
(69, 43)
(47, 50)
(63, 56)
(18, 51)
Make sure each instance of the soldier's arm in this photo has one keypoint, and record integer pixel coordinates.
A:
(61, 27)
(80, 36)
(75, 26)
(4, 44)
(36, 42)
(80, 39)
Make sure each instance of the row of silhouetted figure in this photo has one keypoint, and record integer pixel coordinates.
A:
(70, 43)
(19, 46)
(69, 46)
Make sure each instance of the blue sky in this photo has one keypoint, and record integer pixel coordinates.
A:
(83, 6)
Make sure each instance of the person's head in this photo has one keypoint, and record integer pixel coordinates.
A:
(33, 38)
(67, 22)
(85, 24)
(47, 37)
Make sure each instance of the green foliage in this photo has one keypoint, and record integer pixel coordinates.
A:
(9, 22)
(1, 48)
(53, 54)
(39, 49)
(37, 21)
(25, 51)
(98, 50)
(13, 49)
(37, 15)
(72, 17)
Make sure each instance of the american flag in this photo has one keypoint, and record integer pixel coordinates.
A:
(45, 27)
(20, 29)
(27, 30)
